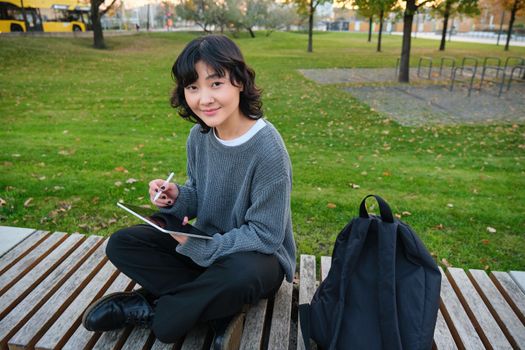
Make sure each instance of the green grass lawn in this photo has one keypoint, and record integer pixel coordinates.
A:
(82, 129)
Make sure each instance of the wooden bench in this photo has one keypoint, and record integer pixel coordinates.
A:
(48, 279)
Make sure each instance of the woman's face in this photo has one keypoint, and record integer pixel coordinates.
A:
(214, 99)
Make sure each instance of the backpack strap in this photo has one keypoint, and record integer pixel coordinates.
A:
(353, 247)
(384, 209)
(304, 320)
(388, 322)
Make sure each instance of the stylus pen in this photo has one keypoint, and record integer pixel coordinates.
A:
(165, 184)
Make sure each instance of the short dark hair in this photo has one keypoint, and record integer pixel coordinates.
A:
(223, 55)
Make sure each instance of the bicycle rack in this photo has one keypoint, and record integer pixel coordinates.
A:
(425, 59)
(521, 68)
(442, 61)
(473, 70)
(398, 61)
(485, 65)
(521, 61)
(501, 82)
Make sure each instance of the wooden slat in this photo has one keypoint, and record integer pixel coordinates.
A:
(479, 314)
(453, 312)
(281, 317)
(306, 290)
(20, 250)
(32, 302)
(111, 340)
(326, 264)
(25, 285)
(69, 320)
(33, 329)
(519, 278)
(195, 339)
(253, 326)
(18, 270)
(443, 339)
(11, 236)
(82, 337)
(511, 292)
(158, 345)
(138, 339)
(507, 319)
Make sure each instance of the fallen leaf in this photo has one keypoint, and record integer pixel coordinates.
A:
(450, 205)
(121, 169)
(28, 202)
(95, 200)
(439, 227)
(485, 241)
(491, 229)
(445, 262)
(406, 213)
(131, 180)
(355, 186)
(331, 205)
(387, 173)
(118, 183)
(2, 202)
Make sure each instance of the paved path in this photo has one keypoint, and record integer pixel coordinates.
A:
(429, 102)
(467, 38)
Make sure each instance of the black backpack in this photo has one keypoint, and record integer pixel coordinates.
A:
(382, 290)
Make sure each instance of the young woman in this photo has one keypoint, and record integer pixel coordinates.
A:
(238, 189)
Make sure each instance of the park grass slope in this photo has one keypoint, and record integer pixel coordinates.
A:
(82, 129)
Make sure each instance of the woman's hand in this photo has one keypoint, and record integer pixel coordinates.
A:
(179, 238)
(169, 194)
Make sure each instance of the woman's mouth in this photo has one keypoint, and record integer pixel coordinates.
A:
(210, 112)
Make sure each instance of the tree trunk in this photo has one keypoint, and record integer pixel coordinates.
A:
(404, 64)
(98, 36)
(511, 23)
(381, 14)
(252, 34)
(370, 23)
(311, 27)
(446, 15)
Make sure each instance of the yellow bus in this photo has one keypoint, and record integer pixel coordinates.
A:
(44, 15)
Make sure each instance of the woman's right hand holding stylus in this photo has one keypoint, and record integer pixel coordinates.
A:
(168, 194)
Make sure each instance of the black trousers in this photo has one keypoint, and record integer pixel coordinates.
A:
(186, 292)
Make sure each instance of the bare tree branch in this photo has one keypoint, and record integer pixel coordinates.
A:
(102, 13)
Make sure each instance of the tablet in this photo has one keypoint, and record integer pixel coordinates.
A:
(164, 222)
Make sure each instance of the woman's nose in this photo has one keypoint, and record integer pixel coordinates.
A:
(206, 98)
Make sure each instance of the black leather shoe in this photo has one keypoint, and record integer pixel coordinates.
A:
(118, 310)
(227, 332)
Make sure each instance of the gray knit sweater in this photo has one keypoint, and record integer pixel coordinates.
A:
(241, 195)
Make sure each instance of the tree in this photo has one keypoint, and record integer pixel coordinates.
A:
(384, 7)
(247, 14)
(256, 14)
(514, 6)
(96, 15)
(202, 12)
(379, 8)
(308, 7)
(449, 8)
(280, 16)
(408, 18)
(366, 9)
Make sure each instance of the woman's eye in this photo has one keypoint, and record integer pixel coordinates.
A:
(216, 83)
(191, 87)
